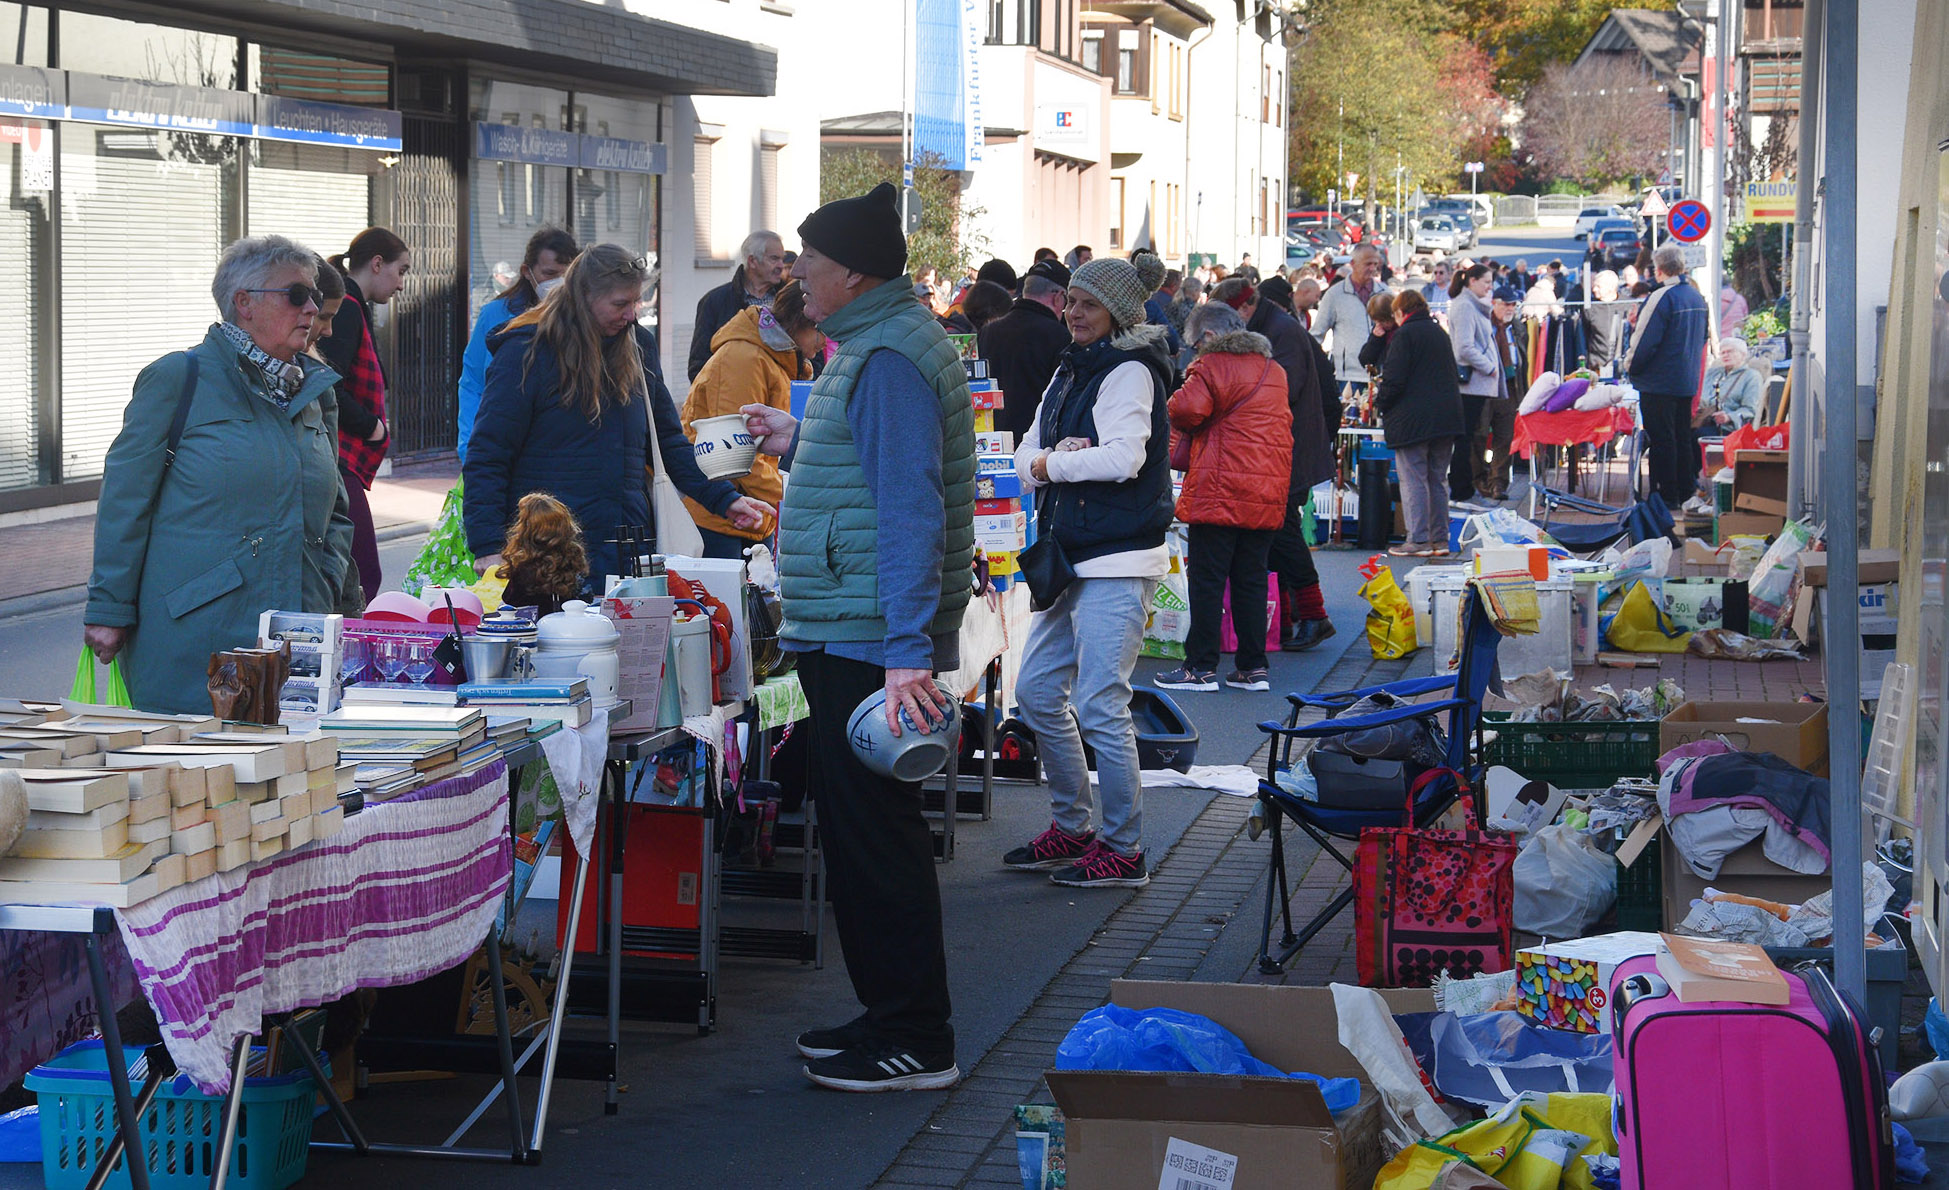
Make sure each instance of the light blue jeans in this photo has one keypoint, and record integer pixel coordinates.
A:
(1075, 684)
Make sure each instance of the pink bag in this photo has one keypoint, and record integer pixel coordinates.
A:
(1744, 1095)
(1228, 635)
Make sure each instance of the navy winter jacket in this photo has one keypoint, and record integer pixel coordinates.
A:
(525, 440)
(1667, 352)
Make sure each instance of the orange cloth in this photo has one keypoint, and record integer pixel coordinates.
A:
(1596, 426)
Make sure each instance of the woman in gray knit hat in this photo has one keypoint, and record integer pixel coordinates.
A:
(1097, 461)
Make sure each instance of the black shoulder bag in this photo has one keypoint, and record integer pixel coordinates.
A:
(1045, 567)
(181, 420)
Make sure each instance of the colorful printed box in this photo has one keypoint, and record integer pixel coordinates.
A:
(986, 394)
(998, 484)
(999, 442)
(1567, 985)
(984, 421)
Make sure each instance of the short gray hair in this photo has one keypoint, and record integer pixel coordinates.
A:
(1038, 286)
(1669, 259)
(1737, 343)
(1191, 288)
(754, 244)
(1214, 318)
(251, 262)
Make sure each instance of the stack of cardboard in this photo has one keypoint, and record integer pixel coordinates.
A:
(125, 805)
(1004, 514)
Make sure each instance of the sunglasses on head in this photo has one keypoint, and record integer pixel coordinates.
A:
(298, 294)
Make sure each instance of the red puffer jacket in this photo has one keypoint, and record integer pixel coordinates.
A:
(1233, 409)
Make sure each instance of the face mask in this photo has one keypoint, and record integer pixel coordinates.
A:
(547, 287)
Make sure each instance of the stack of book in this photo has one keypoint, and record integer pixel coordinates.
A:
(401, 747)
(539, 700)
(125, 805)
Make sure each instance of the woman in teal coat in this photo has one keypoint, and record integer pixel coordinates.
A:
(250, 515)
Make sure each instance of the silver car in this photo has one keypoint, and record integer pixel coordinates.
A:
(1437, 233)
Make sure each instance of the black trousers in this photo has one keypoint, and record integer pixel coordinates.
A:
(886, 901)
(1220, 553)
(1463, 463)
(1290, 557)
(1674, 451)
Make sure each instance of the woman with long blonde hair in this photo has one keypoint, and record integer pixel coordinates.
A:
(567, 409)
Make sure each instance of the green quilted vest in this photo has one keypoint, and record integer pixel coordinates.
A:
(829, 527)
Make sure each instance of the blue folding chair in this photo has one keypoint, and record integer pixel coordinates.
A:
(1647, 518)
(1326, 824)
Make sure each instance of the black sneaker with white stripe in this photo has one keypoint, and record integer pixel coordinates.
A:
(883, 1068)
(824, 1043)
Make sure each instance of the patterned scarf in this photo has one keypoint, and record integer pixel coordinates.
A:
(280, 380)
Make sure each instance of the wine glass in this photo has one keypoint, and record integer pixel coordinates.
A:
(352, 665)
(419, 660)
(391, 657)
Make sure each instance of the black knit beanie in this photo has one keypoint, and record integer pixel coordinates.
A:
(862, 233)
(1001, 273)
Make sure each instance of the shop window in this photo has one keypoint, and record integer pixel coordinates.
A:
(157, 54)
(768, 186)
(512, 199)
(319, 196)
(1093, 52)
(1116, 212)
(1127, 61)
(26, 225)
(703, 197)
(23, 34)
(324, 78)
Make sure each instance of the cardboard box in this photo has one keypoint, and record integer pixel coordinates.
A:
(999, 442)
(998, 485)
(1876, 566)
(1700, 559)
(1746, 871)
(1728, 525)
(1794, 731)
(986, 394)
(1566, 985)
(993, 465)
(1119, 1126)
(1759, 481)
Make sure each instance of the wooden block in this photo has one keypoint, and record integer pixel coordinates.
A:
(297, 832)
(85, 843)
(101, 816)
(232, 821)
(220, 785)
(74, 792)
(149, 807)
(324, 798)
(233, 855)
(328, 823)
(201, 837)
(266, 848)
(298, 805)
(184, 817)
(254, 792)
(150, 831)
(172, 870)
(202, 864)
(270, 828)
(263, 811)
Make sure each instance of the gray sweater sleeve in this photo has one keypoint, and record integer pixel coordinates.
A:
(897, 429)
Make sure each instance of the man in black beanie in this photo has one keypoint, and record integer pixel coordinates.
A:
(1023, 346)
(876, 550)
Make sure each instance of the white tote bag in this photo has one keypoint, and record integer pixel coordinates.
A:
(676, 532)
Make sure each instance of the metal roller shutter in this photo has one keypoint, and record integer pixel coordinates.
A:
(19, 419)
(321, 210)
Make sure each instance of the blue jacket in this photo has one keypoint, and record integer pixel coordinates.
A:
(1666, 352)
(525, 440)
(494, 315)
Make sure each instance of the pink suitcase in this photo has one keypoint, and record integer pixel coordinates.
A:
(1747, 1096)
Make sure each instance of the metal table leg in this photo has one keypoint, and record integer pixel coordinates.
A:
(612, 918)
(560, 1011)
(233, 1110)
(118, 1071)
(150, 1085)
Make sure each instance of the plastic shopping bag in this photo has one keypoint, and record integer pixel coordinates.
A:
(445, 561)
(1769, 593)
(85, 687)
(1563, 884)
(1170, 617)
(1390, 623)
(1368, 1032)
(1640, 625)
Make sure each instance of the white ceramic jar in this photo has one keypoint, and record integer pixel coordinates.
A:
(579, 641)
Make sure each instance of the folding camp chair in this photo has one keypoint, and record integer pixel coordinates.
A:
(1325, 824)
(1649, 517)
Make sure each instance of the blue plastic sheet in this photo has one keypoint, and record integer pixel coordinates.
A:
(1164, 1039)
(1911, 1165)
(20, 1135)
(1486, 1058)
(1936, 1026)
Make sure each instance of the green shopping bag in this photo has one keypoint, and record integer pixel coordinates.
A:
(445, 561)
(85, 687)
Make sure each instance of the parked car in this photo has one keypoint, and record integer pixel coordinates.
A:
(1588, 217)
(1436, 232)
(1462, 211)
(1620, 246)
(1300, 250)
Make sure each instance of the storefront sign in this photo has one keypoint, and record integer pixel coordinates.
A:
(33, 92)
(536, 146)
(36, 143)
(282, 118)
(626, 156)
(166, 107)
(1062, 125)
(1771, 202)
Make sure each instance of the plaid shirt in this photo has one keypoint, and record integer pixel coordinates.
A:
(367, 386)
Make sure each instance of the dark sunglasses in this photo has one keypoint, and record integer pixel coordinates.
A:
(299, 295)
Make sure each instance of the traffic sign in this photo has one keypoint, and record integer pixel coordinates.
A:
(1655, 206)
(1695, 257)
(1472, 167)
(1689, 221)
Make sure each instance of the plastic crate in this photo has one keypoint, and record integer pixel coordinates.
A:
(1641, 894)
(1574, 755)
(179, 1130)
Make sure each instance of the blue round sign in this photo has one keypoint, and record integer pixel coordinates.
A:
(1689, 221)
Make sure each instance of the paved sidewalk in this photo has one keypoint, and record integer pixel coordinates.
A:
(48, 561)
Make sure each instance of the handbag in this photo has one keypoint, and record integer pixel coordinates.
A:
(676, 531)
(1432, 901)
(1045, 567)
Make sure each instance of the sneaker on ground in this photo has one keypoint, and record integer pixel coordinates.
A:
(824, 1043)
(1053, 848)
(1104, 868)
(1248, 679)
(883, 1068)
(1186, 678)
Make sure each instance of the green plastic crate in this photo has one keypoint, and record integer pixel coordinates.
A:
(1573, 755)
(1641, 893)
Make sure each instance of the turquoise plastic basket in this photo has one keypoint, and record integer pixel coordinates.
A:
(179, 1130)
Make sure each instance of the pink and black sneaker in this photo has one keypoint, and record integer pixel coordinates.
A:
(1053, 848)
(1101, 867)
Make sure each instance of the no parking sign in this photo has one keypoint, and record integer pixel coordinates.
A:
(1688, 221)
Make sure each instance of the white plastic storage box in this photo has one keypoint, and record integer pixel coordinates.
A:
(1549, 648)
(1416, 584)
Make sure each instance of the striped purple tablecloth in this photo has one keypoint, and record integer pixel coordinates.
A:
(47, 1001)
(406, 890)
